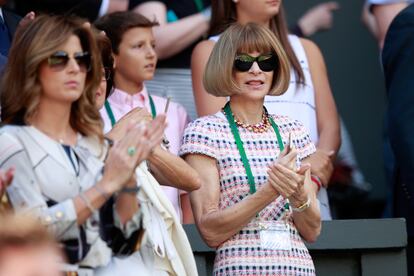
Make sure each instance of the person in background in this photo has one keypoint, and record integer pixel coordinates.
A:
(182, 24)
(89, 9)
(105, 87)
(369, 21)
(135, 61)
(395, 22)
(316, 19)
(9, 22)
(308, 99)
(256, 202)
(26, 248)
(162, 237)
(384, 12)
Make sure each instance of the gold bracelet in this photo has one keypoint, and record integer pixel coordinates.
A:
(302, 207)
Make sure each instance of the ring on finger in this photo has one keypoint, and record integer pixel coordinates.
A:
(131, 151)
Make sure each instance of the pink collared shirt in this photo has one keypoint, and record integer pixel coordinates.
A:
(177, 118)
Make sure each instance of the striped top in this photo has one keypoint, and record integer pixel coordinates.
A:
(242, 254)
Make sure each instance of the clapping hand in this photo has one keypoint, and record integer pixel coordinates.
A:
(285, 178)
(128, 152)
(135, 116)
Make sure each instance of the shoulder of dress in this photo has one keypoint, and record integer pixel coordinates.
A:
(282, 119)
(214, 120)
(287, 123)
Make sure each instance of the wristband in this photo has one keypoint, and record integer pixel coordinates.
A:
(130, 190)
(317, 181)
(302, 207)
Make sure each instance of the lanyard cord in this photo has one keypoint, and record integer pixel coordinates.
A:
(153, 109)
(239, 142)
(111, 113)
(199, 5)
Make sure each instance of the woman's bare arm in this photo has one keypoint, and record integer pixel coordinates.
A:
(218, 225)
(171, 170)
(172, 38)
(199, 60)
(326, 114)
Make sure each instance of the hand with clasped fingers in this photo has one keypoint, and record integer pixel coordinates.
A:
(288, 180)
(136, 115)
(293, 184)
(128, 152)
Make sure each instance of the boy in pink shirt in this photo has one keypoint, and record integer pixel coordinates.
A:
(135, 61)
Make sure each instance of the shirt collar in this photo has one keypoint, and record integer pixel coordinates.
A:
(121, 97)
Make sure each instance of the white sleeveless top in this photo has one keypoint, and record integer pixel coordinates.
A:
(298, 102)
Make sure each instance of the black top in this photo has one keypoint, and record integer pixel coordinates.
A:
(181, 8)
(84, 8)
(398, 62)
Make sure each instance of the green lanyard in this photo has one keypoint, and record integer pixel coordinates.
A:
(239, 143)
(111, 113)
(152, 105)
(199, 5)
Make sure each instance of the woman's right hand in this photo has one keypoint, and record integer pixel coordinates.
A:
(287, 159)
(127, 153)
(136, 115)
(283, 175)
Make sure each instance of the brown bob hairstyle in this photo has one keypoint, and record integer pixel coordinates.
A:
(218, 76)
(223, 14)
(33, 44)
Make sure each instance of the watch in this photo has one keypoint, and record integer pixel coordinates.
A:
(302, 207)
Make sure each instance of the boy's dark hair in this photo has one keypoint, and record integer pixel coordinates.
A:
(117, 23)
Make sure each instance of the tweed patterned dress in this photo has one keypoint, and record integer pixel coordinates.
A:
(242, 254)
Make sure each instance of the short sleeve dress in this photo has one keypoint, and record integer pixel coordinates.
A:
(242, 254)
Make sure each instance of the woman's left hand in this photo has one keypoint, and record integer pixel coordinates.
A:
(135, 116)
(288, 182)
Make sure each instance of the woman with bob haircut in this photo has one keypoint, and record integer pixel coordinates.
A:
(308, 99)
(255, 204)
(51, 129)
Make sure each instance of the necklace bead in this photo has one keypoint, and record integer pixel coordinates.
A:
(261, 127)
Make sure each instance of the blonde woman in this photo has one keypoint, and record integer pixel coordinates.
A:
(256, 202)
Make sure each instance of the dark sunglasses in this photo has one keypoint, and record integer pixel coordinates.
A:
(60, 59)
(267, 62)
